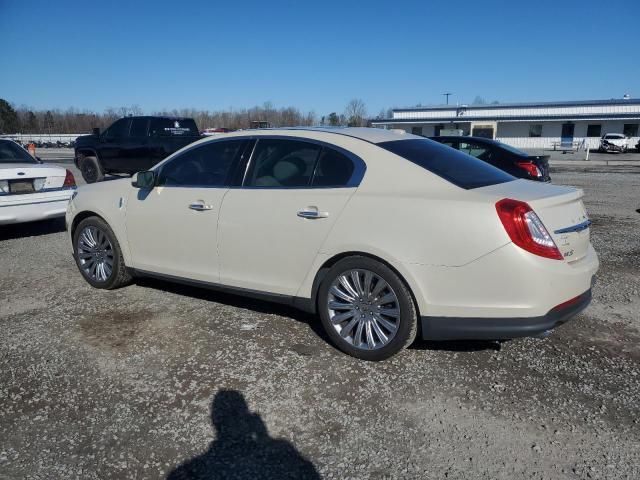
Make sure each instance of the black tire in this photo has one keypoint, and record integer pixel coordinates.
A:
(91, 170)
(408, 318)
(119, 275)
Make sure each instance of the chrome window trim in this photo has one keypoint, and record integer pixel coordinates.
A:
(360, 167)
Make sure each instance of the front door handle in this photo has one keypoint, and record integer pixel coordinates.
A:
(312, 214)
(199, 206)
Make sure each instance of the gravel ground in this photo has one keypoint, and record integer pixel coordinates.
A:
(158, 380)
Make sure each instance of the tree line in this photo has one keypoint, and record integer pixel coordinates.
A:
(22, 119)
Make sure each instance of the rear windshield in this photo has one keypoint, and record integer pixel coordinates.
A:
(458, 168)
(173, 127)
(11, 152)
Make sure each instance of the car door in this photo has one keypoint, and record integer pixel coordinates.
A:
(110, 150)
(135, 147)
(172, 228)
(272, 227)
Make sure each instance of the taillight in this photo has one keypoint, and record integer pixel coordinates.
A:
(526, 229)
(69, 181)
(531, 168)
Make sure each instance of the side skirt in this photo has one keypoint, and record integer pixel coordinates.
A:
(304, 304)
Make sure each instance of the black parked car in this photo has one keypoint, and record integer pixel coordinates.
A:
(132, 144)
(507, 158)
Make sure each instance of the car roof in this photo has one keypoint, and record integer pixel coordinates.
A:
(368, 134)
(465, 137)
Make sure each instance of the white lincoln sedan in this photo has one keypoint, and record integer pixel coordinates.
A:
(30, 190)
(383, 235)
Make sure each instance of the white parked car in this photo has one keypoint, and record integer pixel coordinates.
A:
(382, 234)
(30, 190)
(614, 142)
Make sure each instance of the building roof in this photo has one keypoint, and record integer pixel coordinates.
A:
(511, 118)
(569, 103)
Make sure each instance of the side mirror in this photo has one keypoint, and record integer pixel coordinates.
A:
(96, 132)
(39, 159)
(146, 180)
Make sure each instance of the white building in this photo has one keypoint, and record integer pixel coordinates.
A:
(525, 125)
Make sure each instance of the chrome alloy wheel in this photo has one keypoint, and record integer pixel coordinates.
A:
(363, 309)
(95, 254)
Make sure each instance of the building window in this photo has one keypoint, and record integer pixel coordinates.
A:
(535, 130)
(630, 130)
(594, 130)
(416, 130)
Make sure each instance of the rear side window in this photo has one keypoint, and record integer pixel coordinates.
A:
(454, 166)
(209, 165)
(139, 127)
(280, 163)
(333, 170)
(173, 127)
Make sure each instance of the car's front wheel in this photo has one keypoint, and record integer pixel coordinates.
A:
(98, 255)
(366, 309)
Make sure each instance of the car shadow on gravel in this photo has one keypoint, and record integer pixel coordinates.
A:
(457, 345)
(266, 307)
(238, 301)
(243, 448)
(32, 229)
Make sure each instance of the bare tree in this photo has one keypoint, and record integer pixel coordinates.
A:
(356, 113)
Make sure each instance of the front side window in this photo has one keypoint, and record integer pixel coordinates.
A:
(456, 167)
(209, 165)
(278, 163)
(118, 129)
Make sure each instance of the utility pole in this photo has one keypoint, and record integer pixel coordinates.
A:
(447, 96)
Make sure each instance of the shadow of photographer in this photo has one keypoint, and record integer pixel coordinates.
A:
(243, 448)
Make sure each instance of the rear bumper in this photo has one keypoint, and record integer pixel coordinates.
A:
(41, 207)
(451, 328)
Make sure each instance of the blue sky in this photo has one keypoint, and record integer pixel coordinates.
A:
(314, 55)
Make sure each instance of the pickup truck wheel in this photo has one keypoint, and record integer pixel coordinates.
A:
(90, 169)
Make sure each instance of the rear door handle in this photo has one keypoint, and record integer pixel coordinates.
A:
(312, 214)
(199, 206)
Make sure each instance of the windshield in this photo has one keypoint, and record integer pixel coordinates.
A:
(11, 152)
(458, 168)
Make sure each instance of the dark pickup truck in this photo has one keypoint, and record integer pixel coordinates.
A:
(132, 144)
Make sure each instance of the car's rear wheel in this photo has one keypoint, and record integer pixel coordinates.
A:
(366, 309)
(98, 254)
(91, 171)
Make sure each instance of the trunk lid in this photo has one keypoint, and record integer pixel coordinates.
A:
(560, 209)
(23, 178)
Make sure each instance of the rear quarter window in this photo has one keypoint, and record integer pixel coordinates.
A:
(454, 166)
